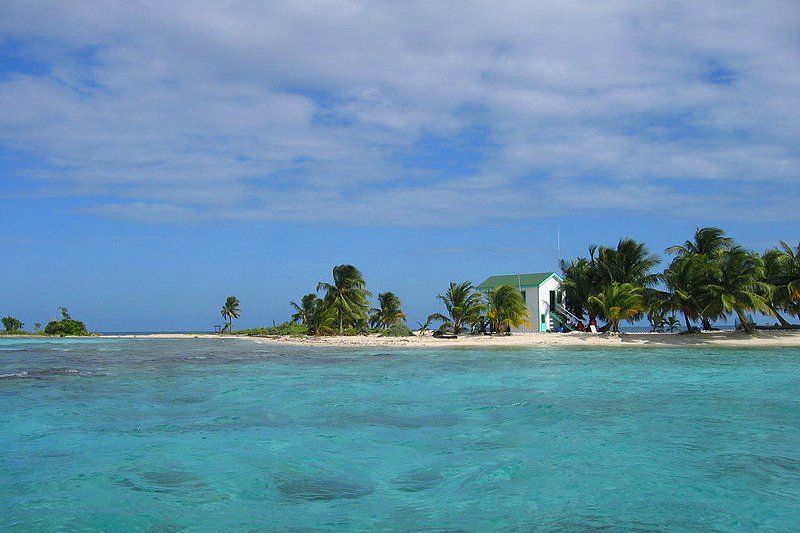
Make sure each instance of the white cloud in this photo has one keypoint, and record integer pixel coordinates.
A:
(307, 111)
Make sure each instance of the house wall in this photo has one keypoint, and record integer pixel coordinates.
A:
(531, 298)
(552, 284)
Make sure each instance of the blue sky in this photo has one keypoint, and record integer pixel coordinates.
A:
(158, 157)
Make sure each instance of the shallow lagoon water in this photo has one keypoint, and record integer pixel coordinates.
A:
(232, 435)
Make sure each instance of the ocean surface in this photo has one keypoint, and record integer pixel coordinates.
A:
(232, 435)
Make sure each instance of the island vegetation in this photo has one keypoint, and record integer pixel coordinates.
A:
(708, 278)
(11, 325)
(66, 326)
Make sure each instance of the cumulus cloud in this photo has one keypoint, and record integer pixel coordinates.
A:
(315, 111)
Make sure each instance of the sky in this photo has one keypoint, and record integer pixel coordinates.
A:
(157, 157)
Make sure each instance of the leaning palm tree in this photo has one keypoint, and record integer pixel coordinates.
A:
(230, 311)
(782, 272)
(507, 308)
(463, 306)
(685, 279)
(388, 313)
(347, 295)
(736, 285)
(618, 302)
(702, 251)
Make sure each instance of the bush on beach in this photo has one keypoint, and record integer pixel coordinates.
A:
(287, 328)
(398, 330)
(66, 326)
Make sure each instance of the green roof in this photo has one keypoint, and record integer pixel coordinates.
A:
(516, 280)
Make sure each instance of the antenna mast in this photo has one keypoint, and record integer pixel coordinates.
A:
(558, 243)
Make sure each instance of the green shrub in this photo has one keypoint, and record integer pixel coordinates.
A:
(287, 328)
(66, 326)
(398, 330)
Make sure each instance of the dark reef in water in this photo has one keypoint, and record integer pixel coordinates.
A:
(306, 487)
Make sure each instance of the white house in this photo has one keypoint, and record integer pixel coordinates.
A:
(542, 293)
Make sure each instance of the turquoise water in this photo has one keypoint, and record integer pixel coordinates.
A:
(230, 435)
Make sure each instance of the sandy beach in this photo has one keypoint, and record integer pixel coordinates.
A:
(575, 339)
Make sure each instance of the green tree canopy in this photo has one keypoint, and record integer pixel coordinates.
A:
(463, 304)
(736, 285)
(11, 324)
(306, 309)
(581, 280)
(585, 279)
(630, 262)
(507, 308)
(66, 326)
(230, 310)
(691, 269)
(348, 295)
(707, 242)
(686, 278)
(321, 317)
(782, 272)
(388, 313)
(618, 302)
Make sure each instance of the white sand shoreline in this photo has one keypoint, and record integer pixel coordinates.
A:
(575, 339)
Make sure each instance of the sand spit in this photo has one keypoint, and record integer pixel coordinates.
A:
(574, 339)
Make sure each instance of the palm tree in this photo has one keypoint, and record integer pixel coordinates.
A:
(581, 280)
(463, 306)
(672, 323)
(782, 272)
(305, 309)
(321, 317)
(423, 327)
(630, 262)
(507, 308)
(707, 241)
(736, 285)
(618, 302)
(347, 295)
(702, 250)
(230, 311)
(655, 310)
(389, 312)
(685, 279)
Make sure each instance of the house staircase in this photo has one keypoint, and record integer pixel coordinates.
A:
(562, 316)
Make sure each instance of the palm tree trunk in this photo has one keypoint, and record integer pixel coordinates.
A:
(688, 325)
(745, 323)
(341, 322)
(775, 312)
